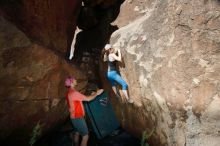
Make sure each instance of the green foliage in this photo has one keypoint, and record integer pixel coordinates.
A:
(35, 133)
(145, 137)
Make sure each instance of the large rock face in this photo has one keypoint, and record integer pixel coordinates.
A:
(172, 64)
(32, 87)
(51, 23)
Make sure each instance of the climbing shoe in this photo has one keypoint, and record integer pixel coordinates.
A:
(130, 100)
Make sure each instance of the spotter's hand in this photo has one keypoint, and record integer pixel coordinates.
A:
(99, 91)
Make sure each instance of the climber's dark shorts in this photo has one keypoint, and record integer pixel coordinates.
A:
(80, 126)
